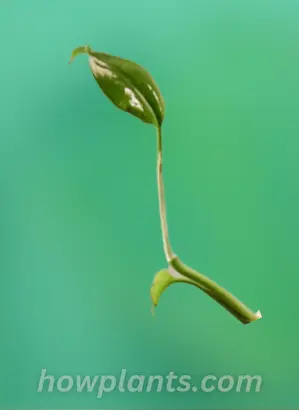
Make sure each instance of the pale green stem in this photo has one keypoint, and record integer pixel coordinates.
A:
(222, 296)
(164, 228)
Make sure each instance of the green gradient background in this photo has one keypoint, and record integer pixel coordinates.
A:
(80, 235)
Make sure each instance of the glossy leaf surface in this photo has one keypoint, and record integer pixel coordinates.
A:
(128, 85)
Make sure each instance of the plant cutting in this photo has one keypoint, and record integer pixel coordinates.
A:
(132, 89)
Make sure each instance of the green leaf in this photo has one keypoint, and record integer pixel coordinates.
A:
(128, 85)
(163, 279)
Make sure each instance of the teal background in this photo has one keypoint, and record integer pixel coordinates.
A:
(80, 234)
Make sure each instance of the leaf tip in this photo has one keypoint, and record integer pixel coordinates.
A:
(153, 309)
(79, 50)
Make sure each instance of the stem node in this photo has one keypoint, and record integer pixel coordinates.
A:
(219, 294)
